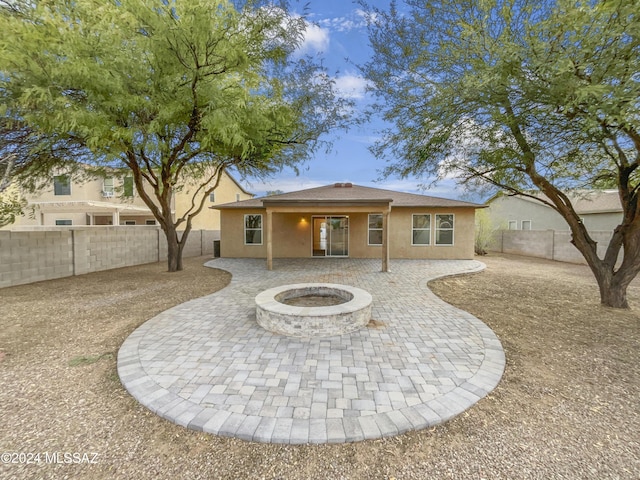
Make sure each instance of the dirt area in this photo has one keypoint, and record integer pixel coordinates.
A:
(567, 407)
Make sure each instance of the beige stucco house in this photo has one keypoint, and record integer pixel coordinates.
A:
(345, 220)
(115, 201)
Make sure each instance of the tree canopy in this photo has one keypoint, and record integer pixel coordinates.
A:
(171, 90)
(524, 95)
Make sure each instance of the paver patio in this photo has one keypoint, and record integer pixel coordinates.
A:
(207, 365)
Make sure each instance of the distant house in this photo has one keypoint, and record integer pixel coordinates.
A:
(600, 210)
(345, 220)
(113, 200)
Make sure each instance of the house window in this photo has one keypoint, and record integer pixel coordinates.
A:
(64, 222)
(150, 222)
(107, 187)
(513, 224)
(212, 197)
(421, 229)
(526, 224)
(61, 185)
(375, 229)
(129, 222)
(444, 229)
(253, 229)
(127, 186)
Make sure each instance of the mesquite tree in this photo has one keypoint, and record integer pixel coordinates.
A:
(170, 91)
(525, 95)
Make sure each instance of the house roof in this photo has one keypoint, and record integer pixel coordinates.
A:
(584, 202)
(348, 194)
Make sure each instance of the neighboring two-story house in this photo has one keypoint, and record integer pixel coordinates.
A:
(600, 210)
(115, 201)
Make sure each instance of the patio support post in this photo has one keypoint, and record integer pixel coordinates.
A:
(115, 218)
(269, 239)
(385, 241)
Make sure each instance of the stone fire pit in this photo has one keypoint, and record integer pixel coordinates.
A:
(313, 309)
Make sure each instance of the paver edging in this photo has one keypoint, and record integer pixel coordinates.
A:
(208, 419)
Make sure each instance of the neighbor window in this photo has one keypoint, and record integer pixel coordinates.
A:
(63, 222)
(61, 185)
(513, 224)
(212, 197)
(129, 222)
(150, 222)
(107, 187)
(526, 224)
(253, 229)
(375, 229)
(127, 186)
(421, 229)
(444, 229)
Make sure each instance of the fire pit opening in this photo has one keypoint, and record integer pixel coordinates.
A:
(314, 297)
(313, 309)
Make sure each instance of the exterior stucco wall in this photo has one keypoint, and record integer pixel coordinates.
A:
(601, 221)
(90, 190)
(503, 209)
(232, 235)
(401, 235)
(293, 237)
(209, 218)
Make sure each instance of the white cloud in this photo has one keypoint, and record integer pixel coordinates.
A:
(355, 20)
(351, 86)
(316, 39)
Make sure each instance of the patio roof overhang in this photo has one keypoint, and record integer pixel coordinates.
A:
(91, 208)
(85, 206)
(324, 206)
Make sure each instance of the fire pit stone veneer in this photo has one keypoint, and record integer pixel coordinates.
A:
(313, 321)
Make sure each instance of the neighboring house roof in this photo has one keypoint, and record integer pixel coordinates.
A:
(238, 184)
(584, 201)
(347, 193)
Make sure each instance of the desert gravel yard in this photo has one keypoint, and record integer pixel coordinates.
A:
(567, 407)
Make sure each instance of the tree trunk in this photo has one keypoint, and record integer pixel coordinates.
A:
(174, 249)
(613, 287)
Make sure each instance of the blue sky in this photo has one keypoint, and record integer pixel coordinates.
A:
(339, 34)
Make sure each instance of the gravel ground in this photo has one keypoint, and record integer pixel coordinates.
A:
(567, 407)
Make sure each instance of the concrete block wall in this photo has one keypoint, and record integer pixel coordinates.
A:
(549, 244)
(40, 254)
(27, 257)
(539, 243)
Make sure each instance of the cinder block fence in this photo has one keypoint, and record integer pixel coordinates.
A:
(549, 244)
(34, 255)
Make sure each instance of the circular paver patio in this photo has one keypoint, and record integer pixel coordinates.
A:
(207, 365)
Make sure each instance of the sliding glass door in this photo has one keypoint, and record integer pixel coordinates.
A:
(331, 236)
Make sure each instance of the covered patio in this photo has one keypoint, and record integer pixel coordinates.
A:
(97, 213)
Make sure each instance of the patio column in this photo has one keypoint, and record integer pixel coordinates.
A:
(385, 241)
(269, 239)
(115, 218)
